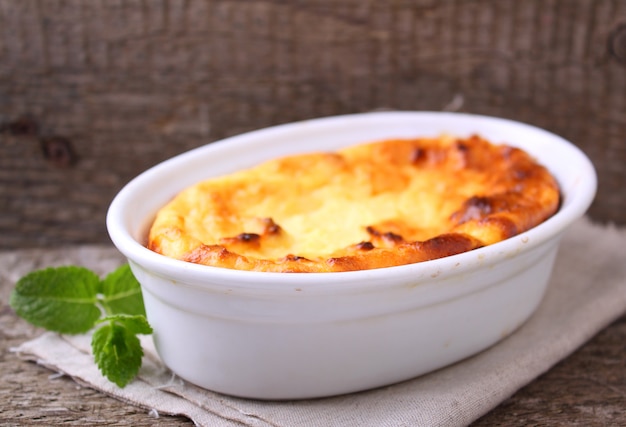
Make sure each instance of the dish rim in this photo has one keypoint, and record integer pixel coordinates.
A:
(349, 281)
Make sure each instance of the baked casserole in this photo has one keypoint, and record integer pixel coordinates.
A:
(368, 206)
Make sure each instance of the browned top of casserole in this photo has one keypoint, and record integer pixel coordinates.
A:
(373, 205)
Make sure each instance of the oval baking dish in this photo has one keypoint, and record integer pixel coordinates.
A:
(293, 336)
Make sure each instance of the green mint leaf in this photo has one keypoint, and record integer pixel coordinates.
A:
(117, 352)
(122, 293)
(70, 300)
(135, 324)
(61, 299)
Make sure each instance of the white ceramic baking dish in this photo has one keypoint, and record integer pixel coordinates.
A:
(293, 336)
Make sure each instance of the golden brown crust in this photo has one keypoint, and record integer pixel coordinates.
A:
(368, 206)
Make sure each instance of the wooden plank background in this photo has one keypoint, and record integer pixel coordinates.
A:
(94, 92)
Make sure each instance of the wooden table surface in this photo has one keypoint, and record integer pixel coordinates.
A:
(93, 93)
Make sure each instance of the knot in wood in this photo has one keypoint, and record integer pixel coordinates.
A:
(617, 44)
(22, 126)
(58, 151)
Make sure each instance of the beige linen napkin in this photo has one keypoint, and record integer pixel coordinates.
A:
(586, 293)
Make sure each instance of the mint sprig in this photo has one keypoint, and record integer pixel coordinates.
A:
(74, 300)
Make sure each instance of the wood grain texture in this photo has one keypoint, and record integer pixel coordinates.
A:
(129, 83)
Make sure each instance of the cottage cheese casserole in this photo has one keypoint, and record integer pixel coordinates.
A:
(373, 205)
